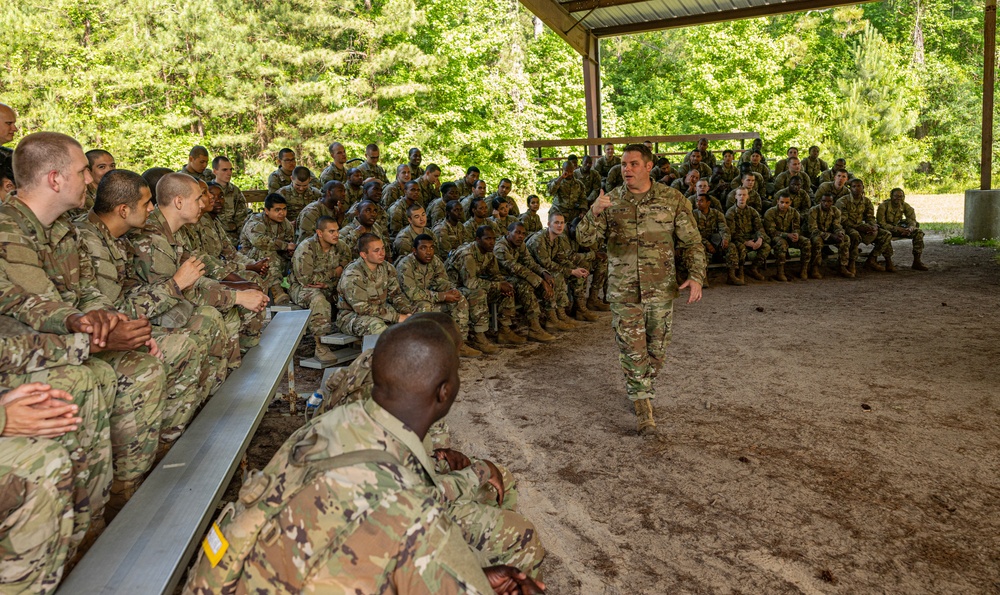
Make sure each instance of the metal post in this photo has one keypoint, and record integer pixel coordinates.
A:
(989, 67)
(592, 90)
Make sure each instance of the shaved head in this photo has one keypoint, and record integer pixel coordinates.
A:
(173, 185)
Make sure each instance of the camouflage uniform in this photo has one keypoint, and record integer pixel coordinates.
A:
(206, 174)
(311, 265)
(829, 188)
(703, 169)
(500, 225)
(478, 278)
(714, 231)
(350, 234)
(386, 509)
(526, 276)
(369, 301)
(800, 202)
(392, 192)
(778, 225)
(277, 180)
(415, 171)
(814, 168)
(532, 222)
(215, 241)
(514, 209)
(753, 201)
(730, 173)
(569, 196)
(472, 225)
(44, 281)
(397, 216)
(591, 181)
(296, 201)
(642, 284)
(822, 226)
(352, 196)
(614, 178)
(745, 225)
(264, 238)
(437, 211)
(234, 211)
(427, 191)
(557, 257)
(373, 171)
(603, 165)
(895, 219)
(855, 212)
(450, 237)
(36, 528)
(464, 189)
(713, 203)
(185, 349)
(403, 244)
(191, 237)
(708, 158)
(331, 173)
(423, 285)
(782, 179)
(157, 256)
(305, 226)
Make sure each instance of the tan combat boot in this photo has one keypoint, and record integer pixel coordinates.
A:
(756, 273)
(873, 264)
(582, 313)
(780, 275)
(567, 320)
(814, 271)
(889, 267)
(595, 303)
(482, 343)
(324, 354)
(846, 272)
(537, 333)
(506, 336)
(551, 322)
(280, 297)
(121, 492)
(467, 350)
(734, 278)
(852, 265)
(917, 264)
(644, 417)
(804, 273)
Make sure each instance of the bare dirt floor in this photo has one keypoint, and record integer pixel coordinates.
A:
(831, 436)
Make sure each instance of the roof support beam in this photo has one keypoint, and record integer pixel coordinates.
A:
(592, 91)
(571, 30)
(989, 67)
(583, 5)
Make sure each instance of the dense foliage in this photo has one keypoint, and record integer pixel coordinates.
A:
(893, 86)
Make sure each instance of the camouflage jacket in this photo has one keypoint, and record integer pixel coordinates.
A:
(215, 241)
(415, 171)
(552, 254)
(603, 165)
(234, 210)
(641, 232)
(829, 188)
(703, 169)
(423, 282)
(500, 225)
(470, 268)
(364, 292)
(373, 171)
(472, 225)
(782, 179)
(708, 158)
(428, 192)
(891, 217)
(352, 196)
(30, 353)
(305, 226)
(532, 222)
(463, 187)
(744, 224)
(814, 167)
(591, 181)
(855, 212)
(753, 201)
(450, 237)
(568, 195)
(730, 173)
(331, 173)
(710, 224)
(824, 222)
(264, 238)
(193, 237)
(800, 202)
(350, 234)
(391, 193)
(44, 277)
(397, 216)
(311, 265)
(762, 169)
(614, 178)
(779, 225)
(437, 211)
(514, 261)
(277, 180)
(514, 209)
(403, 244)
(297, 201)
(206, 174)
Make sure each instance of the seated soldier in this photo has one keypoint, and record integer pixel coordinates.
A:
(814, 166)
(317, 265)
(369, 299)
(282, 176)
(551, 249)
(430, 185)
(662, 172)
(718, 187)
(8, 185)
(614, 178)
(783, 225)
(730, 171)
(426, 284)
(532, 222)
(468, 183)
(829, 174)
(473, 268)
(825, 230)
(373, 193)
(394, 191)
(503, 192)
(197, 165)
(837, 188)
(330, 204)
(234, 204)
(590, 179)
(527, 277)
(797, 194)
(370, 168)
(899, 218)
(782, 165)
(210, 238)
(438, 208)
(450, 233)
(749, 183)
(415, 158)
(398, 210)
(747, 233)
(794, 170)
(688, 185)
(299, 193)
(480, 216)
(606, 161)
(337, 169)
(707, 157)
(757, 145)
(738, 180)
(695, 164)
(502, 218)
(354, 192)
(417, 225)
(595, 261)
(702, 188)
(758, 166)
(101, 162)
(858, 219)
(478, 191)
(715, 238)
(384, 463)
(269, 235)
(365, 222)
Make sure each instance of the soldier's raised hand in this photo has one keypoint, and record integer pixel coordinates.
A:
(188, 273)
(602, 202)
(507, 580)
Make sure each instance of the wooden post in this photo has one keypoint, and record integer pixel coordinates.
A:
(989, 68)
(592, 90)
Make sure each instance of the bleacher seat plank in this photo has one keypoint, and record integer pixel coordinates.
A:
(147, 547)
(346, 354)
(339, 339)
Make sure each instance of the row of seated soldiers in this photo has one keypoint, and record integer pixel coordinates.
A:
(113, 335)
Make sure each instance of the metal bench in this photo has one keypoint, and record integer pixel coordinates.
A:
(148, 546)
(350, 348)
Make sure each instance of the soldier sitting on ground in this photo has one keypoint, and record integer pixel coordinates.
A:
(899, 218)
(369, 299)
(317, 265)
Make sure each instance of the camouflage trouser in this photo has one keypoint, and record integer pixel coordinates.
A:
(728, 256)
(184, 358)
(251, 325)
(479, 308)
(36, 514)
(207, 325)
(499, 535)
(137, 411)
(317, 300)
(276, 270)
(359, 326)
(459, 312)
(918, 240)
(843, 248)
(577, 285)
(93, 387)
(525, 297)
(780, 247)
(881, 242)
(599, 271)
(643, 333)
(560, 293)
(741, 252)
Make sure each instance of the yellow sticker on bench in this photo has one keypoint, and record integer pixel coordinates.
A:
(215, 545)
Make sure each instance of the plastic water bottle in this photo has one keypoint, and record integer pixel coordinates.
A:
(313, 403)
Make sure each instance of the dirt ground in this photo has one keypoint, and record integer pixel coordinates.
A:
(833, 436)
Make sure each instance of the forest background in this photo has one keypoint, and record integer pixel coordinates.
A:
(893, 86)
